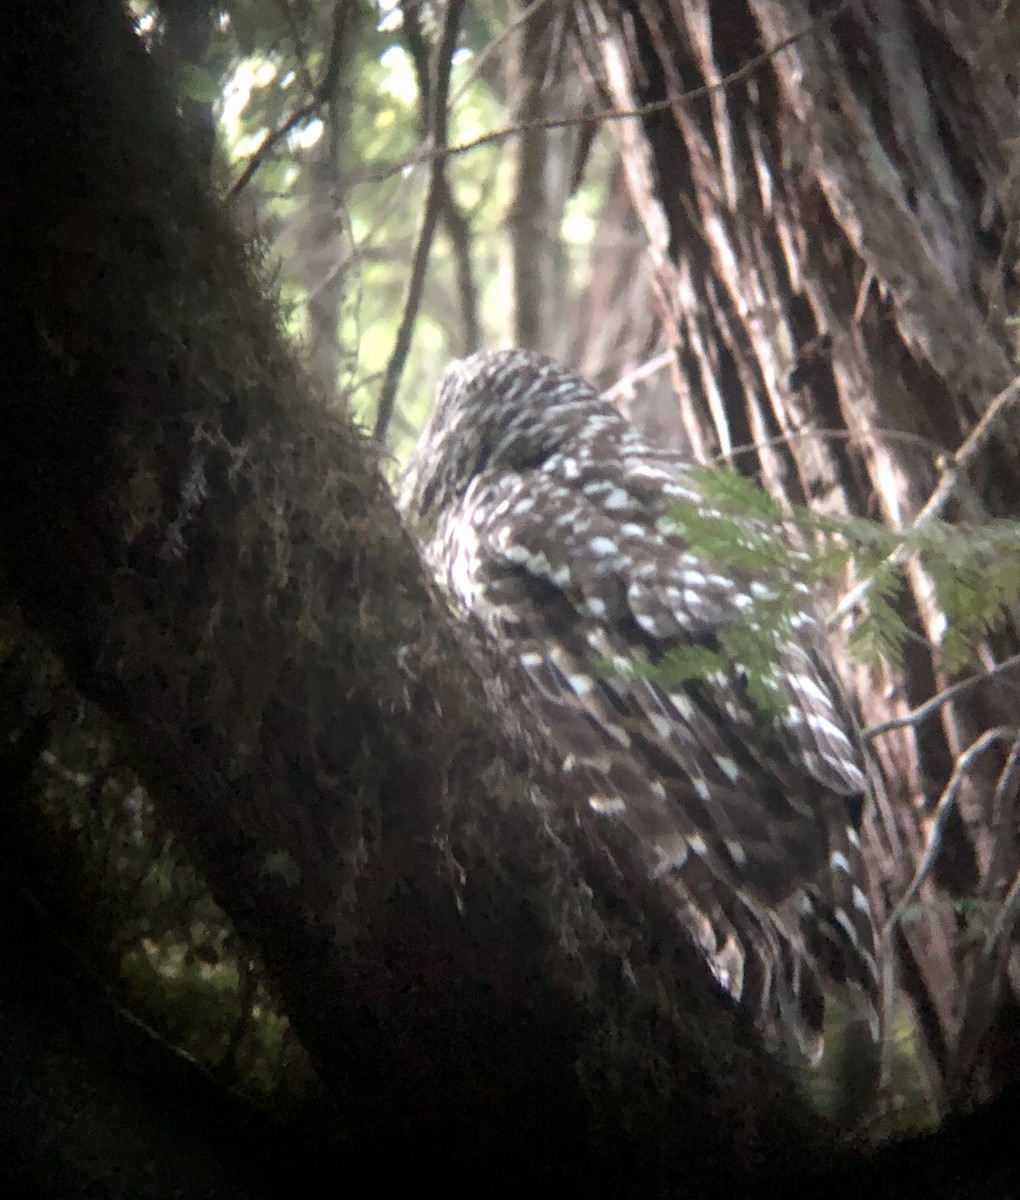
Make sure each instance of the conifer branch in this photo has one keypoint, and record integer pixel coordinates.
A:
(954, 467)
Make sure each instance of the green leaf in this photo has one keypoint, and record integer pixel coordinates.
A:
(199, 84)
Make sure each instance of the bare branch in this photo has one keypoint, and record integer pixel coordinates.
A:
(925, 710)
(269, 144)
(1006, 919)
(458, 228)
(982, 992)
(430, 216)
(944, 808)
(496, 136)
(296, 36)
(625, 383)
(990, 737)
(483, 57)
(790, 436)
(322, 94)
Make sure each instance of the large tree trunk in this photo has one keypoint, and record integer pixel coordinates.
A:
(219, 564)
(829, 226)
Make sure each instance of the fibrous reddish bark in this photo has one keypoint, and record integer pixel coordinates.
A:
(827, 199)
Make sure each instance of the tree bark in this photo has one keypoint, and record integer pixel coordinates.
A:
(217, 560)
(827, 201)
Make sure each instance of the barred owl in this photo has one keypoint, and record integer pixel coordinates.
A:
(546, 519)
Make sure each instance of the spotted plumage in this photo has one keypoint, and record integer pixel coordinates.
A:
(546, 517)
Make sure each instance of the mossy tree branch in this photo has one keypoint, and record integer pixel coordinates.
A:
(217, 559)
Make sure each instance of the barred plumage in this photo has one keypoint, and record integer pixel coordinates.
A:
(547, 519)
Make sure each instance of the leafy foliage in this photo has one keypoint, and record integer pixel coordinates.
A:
(974, 569)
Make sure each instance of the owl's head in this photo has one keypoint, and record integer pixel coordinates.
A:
(503, 410)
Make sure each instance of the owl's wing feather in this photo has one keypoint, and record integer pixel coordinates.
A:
(550, 529)
(591, 603)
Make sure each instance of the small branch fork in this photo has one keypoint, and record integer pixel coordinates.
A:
(954, 468)
(431, 152)
(434, 200)
(322, 94)
(921, 713)
(1001, 734)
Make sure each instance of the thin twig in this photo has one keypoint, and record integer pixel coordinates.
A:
(430, 217)
(269, 143)
(1007, 915)
(1001, 808)
(945, 806)
(610, 114)
(652, 366)
(483, 56)
(431, 153)
(300, 50)
(985, 978)
(923, 711)
(458, 228)
(955, 466)
(322, 94)
(832, 435)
